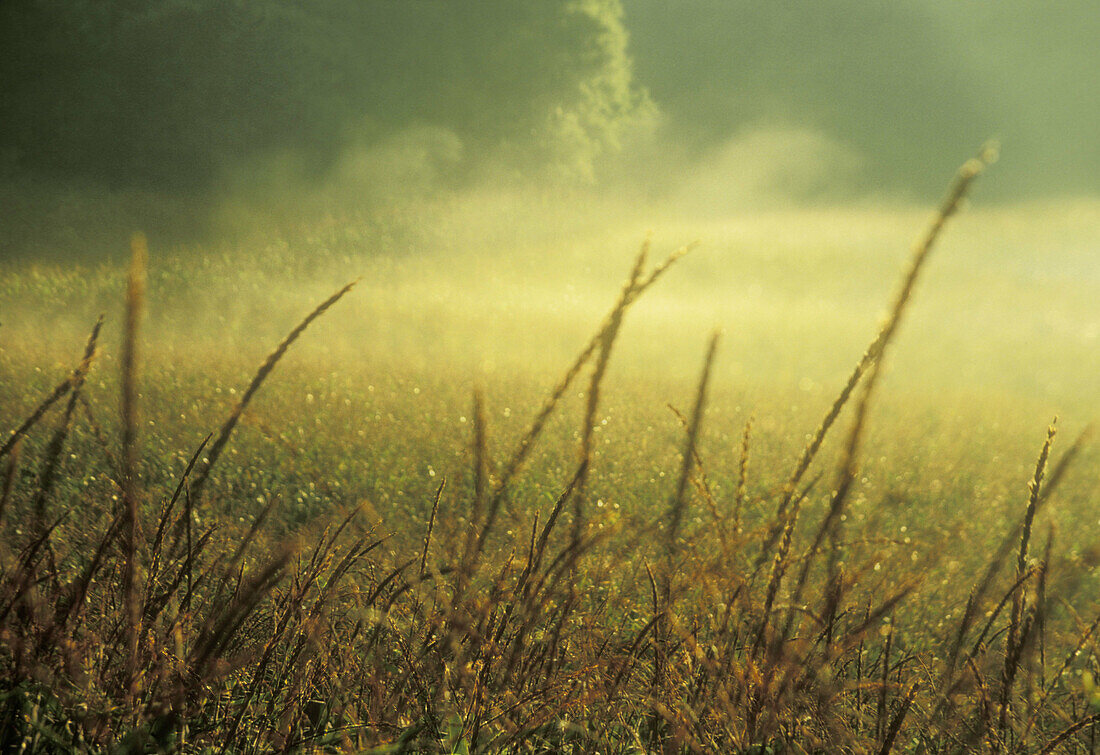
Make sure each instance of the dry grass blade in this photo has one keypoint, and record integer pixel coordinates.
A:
(899, 717)
(555, 512)
(779, 568)
(957, 192)
(135, 296)
(703, 487)
(1064, 463)
(629, 295)
(1077, 648)
(675, 516)
(24, 573)
(1054, 744)
(1033, 498)
(70, 610)
(55, 395)
(475, 539)
(11, 469)
(1016, 630)
(261, 375)
(1012, 593)
(661, 269)
(884, 684)
(742, 476)
(221, 630)
(56, 445)
(679, 497)
(979, 593)
(608, 336)
(166, 515)
(431, 527)
(835, 514)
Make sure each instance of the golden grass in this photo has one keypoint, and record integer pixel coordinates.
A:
(550, 633)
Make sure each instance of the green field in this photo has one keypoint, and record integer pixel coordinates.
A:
(621, 637)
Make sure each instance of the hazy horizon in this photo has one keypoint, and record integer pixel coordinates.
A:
(200, 121)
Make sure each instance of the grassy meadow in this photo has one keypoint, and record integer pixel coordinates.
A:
(418, 536)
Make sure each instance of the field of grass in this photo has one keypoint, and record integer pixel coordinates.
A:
(419, 536)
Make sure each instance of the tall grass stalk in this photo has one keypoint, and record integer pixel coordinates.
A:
(135, 300)
(604, 631)
(921, 251)
(266, 368)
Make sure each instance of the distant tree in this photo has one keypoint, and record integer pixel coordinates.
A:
(167, 94)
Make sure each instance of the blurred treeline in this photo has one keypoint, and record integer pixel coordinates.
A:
(173, 100)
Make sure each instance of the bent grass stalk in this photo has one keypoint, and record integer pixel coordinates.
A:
(66, 385)
(265, 369)
(1016, 631)
(608, 336)
(527, 442)
(56, 445)
(675, 517)
(135, 295)
(786, 520)
(964, 178)
(353, 647)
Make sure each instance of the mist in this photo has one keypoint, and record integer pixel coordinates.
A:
(208, 121)
(502, 162)
(910, 87)
(358, 245)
